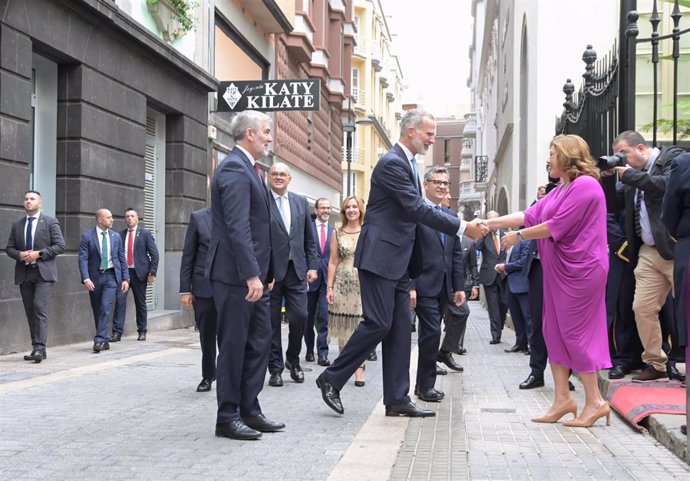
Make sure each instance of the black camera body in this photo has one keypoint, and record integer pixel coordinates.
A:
(607, 162)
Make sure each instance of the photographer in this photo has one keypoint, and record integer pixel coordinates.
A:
(643, 175)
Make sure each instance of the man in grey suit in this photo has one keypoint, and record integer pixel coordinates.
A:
(492, 281)
(195, 291)
(294, 265)
(385, 256)
(35, 240)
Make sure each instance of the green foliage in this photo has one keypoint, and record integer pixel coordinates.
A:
(183, 13)
(666, 125)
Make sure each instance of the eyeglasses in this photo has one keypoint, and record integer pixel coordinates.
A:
(279, 174)
(442, 183)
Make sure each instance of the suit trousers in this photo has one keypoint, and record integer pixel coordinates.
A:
(653, 282)
(496, 306)
(244, 340)
(294, 292)
(538, 354)
(429, 310)
(205, 316)
(521, 316)
(455, 321)
(102, 298)
(624, 342)
(317, 317)
(138, 290)
(35, 296)
(386, 310)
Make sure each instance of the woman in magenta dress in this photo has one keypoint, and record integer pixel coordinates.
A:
(570, 225)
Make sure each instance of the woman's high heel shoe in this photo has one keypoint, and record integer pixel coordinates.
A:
(570, 407)
(361, 383)
(603, 410)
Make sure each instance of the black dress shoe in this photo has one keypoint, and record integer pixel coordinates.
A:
(532, 382)
(116, 337)
(571, 386)
(309, 357)
(236, 429)
(330, 395)
(409, 410)
(447, 359)
(296, 372)
(528, 352)
(260, 423)
(618, 372)
(323, 361)
(142, 336)
(461, 351)
(275, 380)
(36, 355)
(429, 394)
(440, 371)
(671, 370)
(204, 385)
(372, 356)
(97, 346)
(516, 348)
(495, 341)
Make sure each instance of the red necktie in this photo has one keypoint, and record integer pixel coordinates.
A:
(130, 248)
(323, 238)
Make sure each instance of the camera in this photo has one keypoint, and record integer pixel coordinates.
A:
(607, 162)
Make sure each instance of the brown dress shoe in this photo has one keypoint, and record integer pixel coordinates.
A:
(650, 374)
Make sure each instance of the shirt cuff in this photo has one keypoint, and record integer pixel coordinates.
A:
(461, 230)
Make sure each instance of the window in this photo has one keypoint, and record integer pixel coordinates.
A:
(355, 85)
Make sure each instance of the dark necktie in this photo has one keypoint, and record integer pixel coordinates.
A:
(416, 174)
(29, 234)
(104, 252)
(638, 206)
(441, 235)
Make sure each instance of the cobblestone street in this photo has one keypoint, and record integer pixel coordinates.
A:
(133, 413)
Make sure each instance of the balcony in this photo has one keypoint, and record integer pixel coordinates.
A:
(470, 129)
(361, 46)
(358, 95)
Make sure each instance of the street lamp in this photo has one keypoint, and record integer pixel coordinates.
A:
(349, 129)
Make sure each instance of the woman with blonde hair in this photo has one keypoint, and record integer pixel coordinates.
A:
(570, 227)
(342, 285)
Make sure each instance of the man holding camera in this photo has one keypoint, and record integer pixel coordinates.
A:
(643, 173)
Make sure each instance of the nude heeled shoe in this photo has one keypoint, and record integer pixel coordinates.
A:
(603, 410)
(570, 407)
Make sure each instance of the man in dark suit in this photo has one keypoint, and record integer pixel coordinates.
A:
(294, 265)
(35, 240)
(239, 267)
(517, 287)
(493, 281)
(103, 268)
(642, 184)
(317, 307)
(441, 281)
(195, 291)
(384, 258)
(142, 260)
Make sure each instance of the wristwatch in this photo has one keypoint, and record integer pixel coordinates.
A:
(518, 234)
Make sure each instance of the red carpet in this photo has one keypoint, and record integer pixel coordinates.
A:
(636, 401)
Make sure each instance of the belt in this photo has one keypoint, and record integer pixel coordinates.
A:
(32, 266)
(112, 269)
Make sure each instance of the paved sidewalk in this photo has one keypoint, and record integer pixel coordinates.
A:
(132, 413)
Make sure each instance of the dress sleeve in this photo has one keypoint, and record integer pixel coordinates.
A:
(533, 214)
(579, 200)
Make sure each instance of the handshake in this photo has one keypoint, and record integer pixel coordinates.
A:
(477, 228)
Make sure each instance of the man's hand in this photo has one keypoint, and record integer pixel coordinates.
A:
(271, 284)
(509, 239)
(125, 287)
(29, 257)
(476, 229)
(500, 268)
(88, 285)
(475, 293)
(459, 298)
(255, 289)
(186, 300)
(413, 298)
(151, 278)
(620, 170)
(312, 275)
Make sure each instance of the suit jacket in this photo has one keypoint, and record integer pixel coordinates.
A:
(90, 256)
(517, 280)
(676, 204)
(442, 264)
(240, 245)
(145, 252)
(194, 254)
(299, 242)
(47, 240)
(469, 259)
(653, 184)
(487, 273)
(394, 210)
(321, 257)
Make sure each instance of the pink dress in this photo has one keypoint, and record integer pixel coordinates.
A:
(575, 264)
